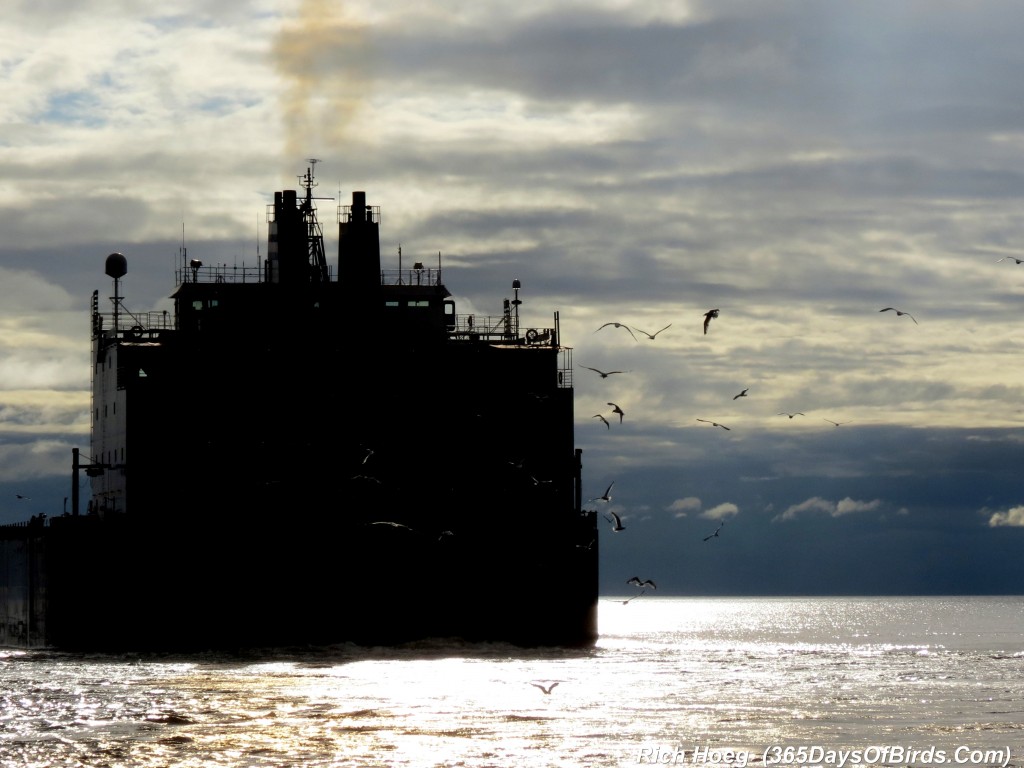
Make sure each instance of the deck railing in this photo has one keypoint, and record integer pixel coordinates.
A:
(134, 326)
(219, 273)
(240, 273)
(415, 276)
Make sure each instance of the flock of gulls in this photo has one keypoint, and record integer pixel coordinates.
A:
(642, 585)
(614, 519)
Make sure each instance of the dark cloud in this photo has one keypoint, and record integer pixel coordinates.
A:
(909, 512)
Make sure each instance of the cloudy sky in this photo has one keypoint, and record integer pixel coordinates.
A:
(797, 165)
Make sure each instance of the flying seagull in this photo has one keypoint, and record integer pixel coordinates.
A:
(741, 394)
(652, 335)
(616, 409)
(546, 688)
(714, 423)
(616, 522)
(619, 325)
(404, 527)
(606, 496)
(715, 534)
(899, 313)
(634, 597)
(707, 318)
(602, 418)
(23, 498)
(392, 523)
(603, 374)
(645, 583)
(837, 423)
(791, 415)
(1012, 258)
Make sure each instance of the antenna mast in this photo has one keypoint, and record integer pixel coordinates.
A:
(182, 250)
(314, 234)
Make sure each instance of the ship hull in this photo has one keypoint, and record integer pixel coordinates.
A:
(113, 586)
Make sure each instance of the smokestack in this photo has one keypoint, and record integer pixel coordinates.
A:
(359, 247)
(286, 240)
(359, 257)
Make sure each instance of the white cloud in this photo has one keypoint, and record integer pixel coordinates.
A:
(680, 507)
(847, 506)
(814, 504)
(722, 511)
(1014, 517)
(44, 342)
(817, 504)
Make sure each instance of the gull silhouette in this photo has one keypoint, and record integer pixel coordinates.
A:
(602, 418)
(402, 526)
(23, 498)
(619, 325)
(741, 394)
(616, 409)
(607, 495)
(714, 423)
(546, 688)
(707, 318)
(616, 522)
(837, 423)
(634, 597)
(1011, 258)
(899, 313)
(603, 374)
(652, 335)
(791, 415)
(635, 580)
(392, 523)
(715, 534)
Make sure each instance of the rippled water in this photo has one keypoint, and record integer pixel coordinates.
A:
(667, 676)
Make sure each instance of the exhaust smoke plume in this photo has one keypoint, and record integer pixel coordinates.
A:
(322, 57)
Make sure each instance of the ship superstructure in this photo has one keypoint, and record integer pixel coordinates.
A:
(314, 453)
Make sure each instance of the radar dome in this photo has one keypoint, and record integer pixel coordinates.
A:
(117, 265)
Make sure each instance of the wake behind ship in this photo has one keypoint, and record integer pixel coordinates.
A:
(304, 454)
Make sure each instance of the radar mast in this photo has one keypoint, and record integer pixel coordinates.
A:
(318, 272)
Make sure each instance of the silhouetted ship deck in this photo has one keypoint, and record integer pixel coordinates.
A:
(300, 457)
